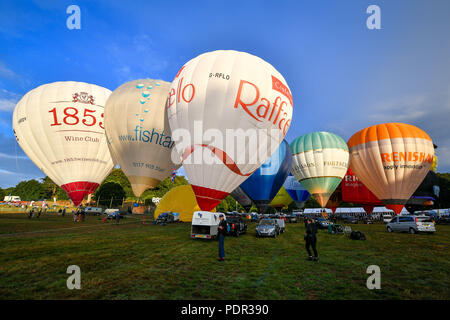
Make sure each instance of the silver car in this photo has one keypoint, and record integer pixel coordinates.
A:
(267, 228)
(411, 224)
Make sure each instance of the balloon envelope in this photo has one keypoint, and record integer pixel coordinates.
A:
(296, 190)
(354, 191)
(281, 200)
(426, 194)
(264, 183)
(391, 159)
(221, 94)
(180, 199)
(335, 199)
(242, 198)
(60, 127)
(138, 132)
(320, 161)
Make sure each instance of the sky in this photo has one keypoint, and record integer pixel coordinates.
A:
(343, 76)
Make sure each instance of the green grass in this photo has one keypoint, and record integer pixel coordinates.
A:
(136, 261)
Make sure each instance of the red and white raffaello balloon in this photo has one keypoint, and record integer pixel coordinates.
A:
(228, 112)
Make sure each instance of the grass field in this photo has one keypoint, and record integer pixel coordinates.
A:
(136, 261)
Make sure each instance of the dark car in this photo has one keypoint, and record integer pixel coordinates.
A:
(322, 223)
(349, 219)
(165, 217)
(237, 225)
(268, 228)
(443, 220)
(113, 215)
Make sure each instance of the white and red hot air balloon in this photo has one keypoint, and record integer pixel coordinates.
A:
(226, 92)
(60, 127)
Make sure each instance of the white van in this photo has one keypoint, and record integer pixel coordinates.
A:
(93, 211)
(205, 224)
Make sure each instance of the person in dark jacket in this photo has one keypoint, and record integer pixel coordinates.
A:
(222, 232)
(311, 239)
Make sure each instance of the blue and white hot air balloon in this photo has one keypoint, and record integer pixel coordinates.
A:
(264, 183)
(297, 192)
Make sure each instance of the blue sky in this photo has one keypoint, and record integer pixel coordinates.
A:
(343, 76)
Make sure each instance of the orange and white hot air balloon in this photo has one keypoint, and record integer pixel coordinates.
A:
(60, 127)
(215, 96)
(391, 160)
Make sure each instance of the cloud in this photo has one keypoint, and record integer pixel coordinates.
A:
(15, 166)
(2, 171)
(8, 100)
(428, 111)
(10, 156)
(6, 73)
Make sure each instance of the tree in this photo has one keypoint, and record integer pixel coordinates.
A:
(30, 190)
(2, 194)
(109, 194)
(444, 192)
(120, 178)
(163, 187)
(229, 204)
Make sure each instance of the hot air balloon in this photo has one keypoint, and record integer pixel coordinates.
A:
(226, 95)
(354, 191)
(281, 200)
(426, 194)
(297, 192)
(180, 199)
(60, 127)
(434, 164)
(264, 183)
(391, 159)
(335, 199)
(242, 198)
(138, 132)
(320, 161)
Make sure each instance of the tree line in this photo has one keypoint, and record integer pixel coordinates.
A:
(116, 188)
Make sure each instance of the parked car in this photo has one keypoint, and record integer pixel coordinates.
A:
(165, 217)
(93, 211)
(443, 220)
(411, 224)
(237, 225)
(349, 219)
(281, 224)
(322, 223)
(205, 224)
(291, 218)
(267, 228)
(112, 213)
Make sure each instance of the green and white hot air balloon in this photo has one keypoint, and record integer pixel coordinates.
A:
(320, 161)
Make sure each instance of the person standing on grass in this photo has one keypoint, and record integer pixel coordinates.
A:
(222, 233)
(311, 240)
(64, 211)
(117, 217)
